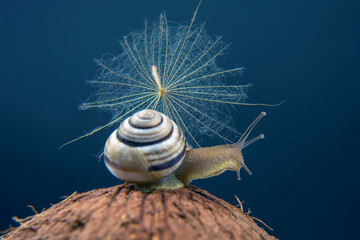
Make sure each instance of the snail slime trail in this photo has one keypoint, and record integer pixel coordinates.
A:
(169, 70)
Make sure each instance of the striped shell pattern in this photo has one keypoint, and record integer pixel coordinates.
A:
(146, 147)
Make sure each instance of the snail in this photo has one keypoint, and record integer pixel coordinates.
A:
(149, 150)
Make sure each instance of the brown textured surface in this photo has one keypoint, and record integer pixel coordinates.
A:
(121, 212)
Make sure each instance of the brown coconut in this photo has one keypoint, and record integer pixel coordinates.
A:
(122, 212)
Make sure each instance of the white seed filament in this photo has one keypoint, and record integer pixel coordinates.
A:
(156, 76)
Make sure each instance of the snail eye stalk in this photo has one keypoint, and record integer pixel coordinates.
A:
(241, 143)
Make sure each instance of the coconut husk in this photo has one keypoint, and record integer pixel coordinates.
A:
(122, 212)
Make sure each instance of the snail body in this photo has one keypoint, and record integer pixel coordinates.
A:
(150, 150)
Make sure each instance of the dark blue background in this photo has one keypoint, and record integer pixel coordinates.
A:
(305, 180)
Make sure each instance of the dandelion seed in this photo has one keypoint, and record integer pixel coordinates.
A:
(171, 68)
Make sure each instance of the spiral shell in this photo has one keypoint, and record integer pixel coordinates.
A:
(146, 147)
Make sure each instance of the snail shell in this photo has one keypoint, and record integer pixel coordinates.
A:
(146, 147)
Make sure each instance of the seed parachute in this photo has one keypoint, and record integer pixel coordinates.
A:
(170, 68)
